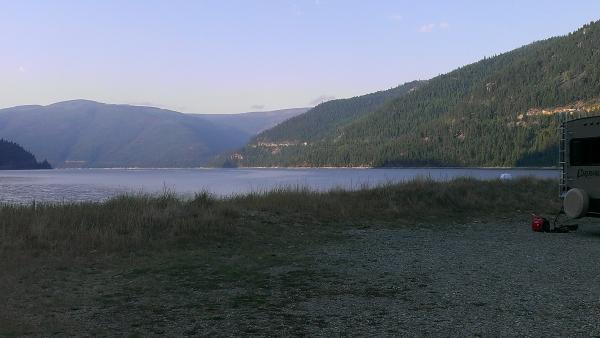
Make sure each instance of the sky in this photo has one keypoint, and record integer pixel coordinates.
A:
(231, 56)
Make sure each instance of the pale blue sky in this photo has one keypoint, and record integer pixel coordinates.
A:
(226, 56)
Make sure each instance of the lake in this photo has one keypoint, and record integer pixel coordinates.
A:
(64, 185)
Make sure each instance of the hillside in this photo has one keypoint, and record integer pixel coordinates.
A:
(501, 111)
(284, 144)
(84, 133)
(323, 120)
(14, 157)
(90, 134)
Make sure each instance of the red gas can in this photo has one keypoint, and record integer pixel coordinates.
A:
(539, 224)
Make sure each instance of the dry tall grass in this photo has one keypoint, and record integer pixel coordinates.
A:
(161, 222)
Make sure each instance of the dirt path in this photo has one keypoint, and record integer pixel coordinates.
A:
(489, 279)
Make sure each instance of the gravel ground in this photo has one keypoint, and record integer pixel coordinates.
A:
(478, 279)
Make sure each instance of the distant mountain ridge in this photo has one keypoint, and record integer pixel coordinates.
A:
(83, 133)
(253, 123)
(500, 111)
(14, 157)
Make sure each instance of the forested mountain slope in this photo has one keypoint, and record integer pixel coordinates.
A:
(501, 111)
(322, 121)
(13, 157)
(83, 133)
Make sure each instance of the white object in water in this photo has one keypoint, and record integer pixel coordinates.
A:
(506, 176)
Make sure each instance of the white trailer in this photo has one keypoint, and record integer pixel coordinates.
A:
(579, 154)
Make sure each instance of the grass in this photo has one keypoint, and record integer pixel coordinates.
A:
(153, 265)
(133, 222)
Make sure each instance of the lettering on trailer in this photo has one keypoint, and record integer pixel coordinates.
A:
(588, 173)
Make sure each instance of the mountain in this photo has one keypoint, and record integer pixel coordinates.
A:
(317, 125)
(323, 120)
(253, 123)
(500, 111)
(13, 156)
(83, 133)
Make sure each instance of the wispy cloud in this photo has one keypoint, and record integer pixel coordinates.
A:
(396, 17)
(321, 99)
(22, 69)
(431, 27)
(258, 106)
(428, 28)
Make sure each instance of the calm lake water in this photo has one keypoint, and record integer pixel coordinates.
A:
(98, 184)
